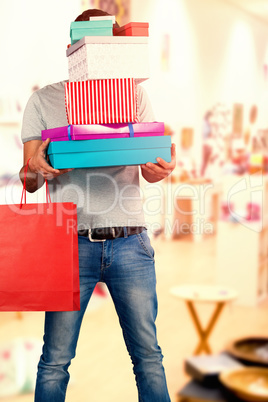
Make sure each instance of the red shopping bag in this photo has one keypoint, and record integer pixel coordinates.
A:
(39, 268)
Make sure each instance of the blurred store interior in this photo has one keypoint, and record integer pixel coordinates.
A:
(208, 221)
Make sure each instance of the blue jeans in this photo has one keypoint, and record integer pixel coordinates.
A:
(126, 265)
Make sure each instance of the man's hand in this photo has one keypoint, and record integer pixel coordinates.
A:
(39, 164)
(153, 172)
(38, 168)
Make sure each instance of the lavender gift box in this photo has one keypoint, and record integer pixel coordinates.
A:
(103, 131)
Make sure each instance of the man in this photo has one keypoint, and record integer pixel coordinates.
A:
(114, 248)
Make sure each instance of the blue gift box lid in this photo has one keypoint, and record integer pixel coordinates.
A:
(110, 144)
(80, 29)
(108, 152)
(91, 25)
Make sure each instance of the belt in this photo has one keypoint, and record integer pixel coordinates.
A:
(102, 234)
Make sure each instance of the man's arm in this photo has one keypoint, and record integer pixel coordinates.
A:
(153, 172)
(38, 168)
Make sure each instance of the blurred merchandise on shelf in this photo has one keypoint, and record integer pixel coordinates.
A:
(248, 149)
(226, 208)
(18, 362)
(238, 117)
(256, 163)
(215, 133)
(252, 212)
(186, 162)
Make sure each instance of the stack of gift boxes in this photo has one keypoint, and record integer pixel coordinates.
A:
(105, 66)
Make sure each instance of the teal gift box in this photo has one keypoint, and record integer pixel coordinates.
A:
(109, 152)
(79, 29)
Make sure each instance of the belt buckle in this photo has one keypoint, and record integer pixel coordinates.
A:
(93, 240)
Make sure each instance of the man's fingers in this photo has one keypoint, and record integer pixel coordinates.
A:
(46, 168)
(153, 168)
(65, 170)
(173, 150)
(50, 174)
(44, 145)
(162, 163)
(39, 164)
(168, 165)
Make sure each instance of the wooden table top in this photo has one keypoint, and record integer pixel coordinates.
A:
(204, 293)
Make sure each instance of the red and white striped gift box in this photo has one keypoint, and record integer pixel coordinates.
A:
(101, 101)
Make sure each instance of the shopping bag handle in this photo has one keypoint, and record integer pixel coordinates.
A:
(23, 195)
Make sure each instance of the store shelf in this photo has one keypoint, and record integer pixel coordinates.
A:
(242, 261)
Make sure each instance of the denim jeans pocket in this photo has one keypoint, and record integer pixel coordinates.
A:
(144, 241)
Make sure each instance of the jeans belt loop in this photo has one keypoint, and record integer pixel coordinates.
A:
(125, 232)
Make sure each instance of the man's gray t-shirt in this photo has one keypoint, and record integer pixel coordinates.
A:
(105, 197)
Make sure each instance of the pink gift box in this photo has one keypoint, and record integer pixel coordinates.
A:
(103, 131)
(101, 101)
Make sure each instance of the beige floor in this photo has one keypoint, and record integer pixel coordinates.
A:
(102, 370)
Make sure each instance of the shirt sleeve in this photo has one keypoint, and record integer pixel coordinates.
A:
(32, 123)
(145, 108)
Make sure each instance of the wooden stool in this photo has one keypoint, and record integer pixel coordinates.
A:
(219, 295)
